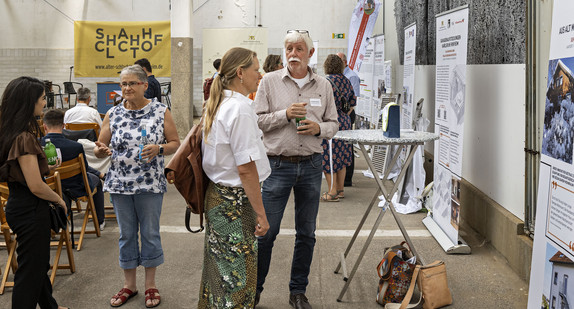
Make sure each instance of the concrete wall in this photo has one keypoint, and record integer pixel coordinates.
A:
(496, 29)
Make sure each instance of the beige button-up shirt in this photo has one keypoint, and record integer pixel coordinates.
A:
(276, 92)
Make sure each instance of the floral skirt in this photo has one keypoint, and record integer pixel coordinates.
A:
(230, 251)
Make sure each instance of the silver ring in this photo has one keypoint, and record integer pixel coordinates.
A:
(258, 225)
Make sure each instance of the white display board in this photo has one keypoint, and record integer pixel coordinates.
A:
(451, 52)
(409, 58)
(379, 82)
(216, 42)
(553, 252)
(367, 69)
(389, 76)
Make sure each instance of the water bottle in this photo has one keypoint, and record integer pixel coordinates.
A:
(143, 140)
(51, 152)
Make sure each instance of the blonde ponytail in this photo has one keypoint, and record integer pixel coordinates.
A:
(233, 59)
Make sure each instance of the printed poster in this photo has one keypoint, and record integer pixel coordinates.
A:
(367, 70)
(553, 252)
(102, 48)
(379, 82)
(362, 24)
(388, 76)
(451, 51)
(216, 42)
(409, 76)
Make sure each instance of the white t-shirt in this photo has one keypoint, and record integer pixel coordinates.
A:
(82, 113)
(235, 139)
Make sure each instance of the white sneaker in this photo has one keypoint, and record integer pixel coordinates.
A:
(102, 226)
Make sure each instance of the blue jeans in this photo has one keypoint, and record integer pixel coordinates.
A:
(139, 212)
(305, 180)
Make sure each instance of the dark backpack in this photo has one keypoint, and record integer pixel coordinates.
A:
(190, 180)
(207, 87)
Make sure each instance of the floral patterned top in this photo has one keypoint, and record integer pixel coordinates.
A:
(128, 174)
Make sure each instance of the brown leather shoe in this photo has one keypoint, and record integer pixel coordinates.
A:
(299, 301)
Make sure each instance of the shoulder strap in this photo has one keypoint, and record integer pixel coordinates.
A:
(333, 84)
(409, 295)
(188, 218)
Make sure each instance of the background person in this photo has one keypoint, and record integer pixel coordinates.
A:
(53, 126)
(137, 185)
(356, 83)
(208, 81)
(294, 155)
(272, 63)
(234, 159)
(339, 153)
(154, 87)
(82, 112)
(23, 165)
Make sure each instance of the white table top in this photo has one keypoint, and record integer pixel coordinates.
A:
(376, 137)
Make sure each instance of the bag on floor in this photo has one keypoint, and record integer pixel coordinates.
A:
(395, 272)
(433, 286)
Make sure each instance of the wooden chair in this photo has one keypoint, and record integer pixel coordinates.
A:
(72, 168)
(10, 243)
(84, 126)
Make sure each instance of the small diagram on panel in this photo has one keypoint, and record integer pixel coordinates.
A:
(558, 270)
(457, 91)
(558, 133)
(454, 214)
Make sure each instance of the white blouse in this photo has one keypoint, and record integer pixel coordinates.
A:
(235, 139)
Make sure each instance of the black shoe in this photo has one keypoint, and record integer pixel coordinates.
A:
(299, 301)
(257, 297)
(348, 184)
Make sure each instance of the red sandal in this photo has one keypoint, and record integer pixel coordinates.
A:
(151, 294)
(120, 295)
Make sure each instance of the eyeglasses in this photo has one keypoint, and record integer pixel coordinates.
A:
(298, 31)
(131, 84)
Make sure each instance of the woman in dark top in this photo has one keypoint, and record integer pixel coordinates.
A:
(23, 165)
(340, 151)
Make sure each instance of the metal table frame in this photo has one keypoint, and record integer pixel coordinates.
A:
(375, 137)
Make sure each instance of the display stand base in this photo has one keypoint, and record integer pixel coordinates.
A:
(447, 245)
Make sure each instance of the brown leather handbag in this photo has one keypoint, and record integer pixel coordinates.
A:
(432, 283)
(190, 180)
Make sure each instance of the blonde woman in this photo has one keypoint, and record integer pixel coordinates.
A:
(235, 162)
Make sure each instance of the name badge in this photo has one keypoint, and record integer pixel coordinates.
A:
(315, 102)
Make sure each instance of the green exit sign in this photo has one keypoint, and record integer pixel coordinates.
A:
(338, 35)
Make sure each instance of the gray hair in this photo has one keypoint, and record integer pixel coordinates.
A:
(136, 70)
(295, 37)
(83, 94)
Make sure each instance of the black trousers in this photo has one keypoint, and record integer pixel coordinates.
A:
(351, 168)
(29, 217)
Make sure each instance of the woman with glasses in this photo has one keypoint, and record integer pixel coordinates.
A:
(23, 165)
(137, 134)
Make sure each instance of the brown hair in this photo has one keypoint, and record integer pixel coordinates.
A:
(333, 65)
(271, 63)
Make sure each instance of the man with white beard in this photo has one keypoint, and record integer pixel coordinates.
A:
(296, 112)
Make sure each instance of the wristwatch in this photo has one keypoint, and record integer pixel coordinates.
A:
(160, 150)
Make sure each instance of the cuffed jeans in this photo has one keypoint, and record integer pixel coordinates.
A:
(139, 212)
(304, 178)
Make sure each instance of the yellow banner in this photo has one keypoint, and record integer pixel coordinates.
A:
(101, 49)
